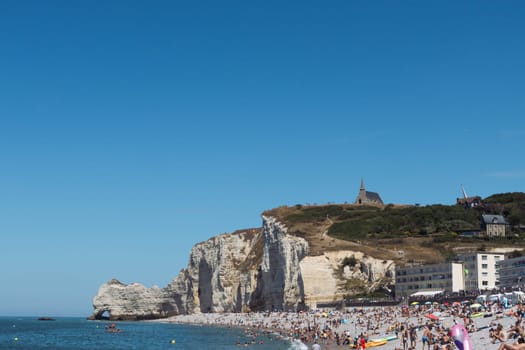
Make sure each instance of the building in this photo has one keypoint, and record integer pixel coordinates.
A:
(446, 277)
(511, 272)
(368, 198)
(480, 270)
(494, 225)
(468, 202)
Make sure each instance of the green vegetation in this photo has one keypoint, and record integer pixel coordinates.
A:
(406, 234)
(392, 222)
(511, 205)
(377, 294)
(515, 254)
(350, 222)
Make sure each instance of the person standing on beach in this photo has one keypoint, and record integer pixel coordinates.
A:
(426, 338)
(413, 337)
(316, 346)
(362, 342)
(404, 337)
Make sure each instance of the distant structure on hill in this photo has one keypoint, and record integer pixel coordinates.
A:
(494, 225)
(468, 202)
(367, 198)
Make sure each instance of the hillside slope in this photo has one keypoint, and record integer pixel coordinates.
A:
(405, 234)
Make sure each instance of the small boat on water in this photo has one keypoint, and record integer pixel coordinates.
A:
(46, 319)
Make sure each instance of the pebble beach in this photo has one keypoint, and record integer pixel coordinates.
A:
(405, 327)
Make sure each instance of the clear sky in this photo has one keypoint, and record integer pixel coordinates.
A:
(131, 130)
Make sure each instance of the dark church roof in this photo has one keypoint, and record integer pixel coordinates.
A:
(373, 196)
(366, 197)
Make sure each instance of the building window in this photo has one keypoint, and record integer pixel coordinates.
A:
(497, 257)
(484, 274)
(483, 257)
(484, 283)
(484, 266)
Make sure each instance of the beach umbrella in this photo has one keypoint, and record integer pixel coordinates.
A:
(414, 303)
(456, 303)
(428, 303)
(475, 305)
(432, 317)
(446, 303)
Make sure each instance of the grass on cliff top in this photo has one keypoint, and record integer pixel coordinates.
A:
(359, 222)
(426, 234)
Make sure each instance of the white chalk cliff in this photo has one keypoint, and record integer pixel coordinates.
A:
(257, 269)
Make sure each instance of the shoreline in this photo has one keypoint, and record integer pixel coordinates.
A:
(374, 323)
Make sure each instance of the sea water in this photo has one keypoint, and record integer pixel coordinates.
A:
(77, 333)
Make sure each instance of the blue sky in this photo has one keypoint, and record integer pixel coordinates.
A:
(129, 131)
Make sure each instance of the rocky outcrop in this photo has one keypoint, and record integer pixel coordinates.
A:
(258, 269)
(118, 301)
(328, 278)
(279, 280)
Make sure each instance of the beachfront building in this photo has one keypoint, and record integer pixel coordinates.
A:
(480, 270)
(495, 225)
(368, 198)
(511, 273)
(429, 279)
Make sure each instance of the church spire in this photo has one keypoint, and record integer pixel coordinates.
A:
(362, 184)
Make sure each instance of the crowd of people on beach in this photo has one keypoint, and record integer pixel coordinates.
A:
(424, 326)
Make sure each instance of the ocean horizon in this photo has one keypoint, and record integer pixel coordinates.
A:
(79, 333)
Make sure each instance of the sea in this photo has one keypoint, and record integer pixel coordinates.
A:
(69, 333)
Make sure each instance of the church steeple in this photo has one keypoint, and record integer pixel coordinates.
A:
(367, 198)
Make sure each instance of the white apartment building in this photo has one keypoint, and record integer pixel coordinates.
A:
(480, 270)
(447, 277)
(511, 272)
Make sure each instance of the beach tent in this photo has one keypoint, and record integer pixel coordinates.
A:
(428, 294)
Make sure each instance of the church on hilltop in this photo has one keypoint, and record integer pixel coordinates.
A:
(368, 198)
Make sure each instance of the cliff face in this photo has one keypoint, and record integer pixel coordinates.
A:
(247, 270)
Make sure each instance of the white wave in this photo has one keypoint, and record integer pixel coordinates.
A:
(296, 344)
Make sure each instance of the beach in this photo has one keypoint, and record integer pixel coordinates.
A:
(404, 326)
